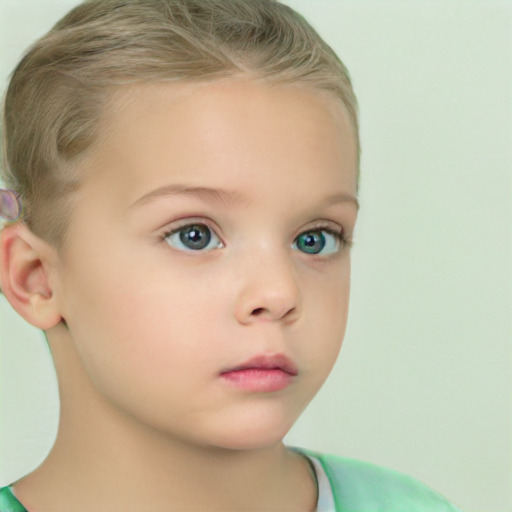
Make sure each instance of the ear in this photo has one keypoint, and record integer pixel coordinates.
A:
(26, 262)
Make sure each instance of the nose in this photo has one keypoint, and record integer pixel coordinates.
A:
(269, 291)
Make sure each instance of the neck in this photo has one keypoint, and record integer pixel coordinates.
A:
(116, 463)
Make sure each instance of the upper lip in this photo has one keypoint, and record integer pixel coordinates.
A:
(267, 362)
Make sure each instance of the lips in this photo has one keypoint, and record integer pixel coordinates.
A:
(266, 362)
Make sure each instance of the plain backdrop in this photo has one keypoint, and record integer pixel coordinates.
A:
(424, 380)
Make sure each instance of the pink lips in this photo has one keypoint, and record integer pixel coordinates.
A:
(262, 373)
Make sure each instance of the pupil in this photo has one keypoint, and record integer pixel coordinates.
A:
(310, 241)
(196, 237)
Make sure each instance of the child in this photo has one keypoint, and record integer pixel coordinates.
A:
(185, 176)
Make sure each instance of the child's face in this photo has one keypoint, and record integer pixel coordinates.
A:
(156, 321)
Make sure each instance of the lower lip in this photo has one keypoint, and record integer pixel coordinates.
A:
(259, 379)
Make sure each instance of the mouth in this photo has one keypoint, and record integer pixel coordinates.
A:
(262, 373)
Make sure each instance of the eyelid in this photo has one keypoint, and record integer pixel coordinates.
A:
(324, 225)
(331, 226)
(335, 230)
(193, 219)
(179, 224)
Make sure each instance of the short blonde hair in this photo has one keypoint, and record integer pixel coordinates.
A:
(62, 85)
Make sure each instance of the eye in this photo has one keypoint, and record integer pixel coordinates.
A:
(320, 241)
(193, 237)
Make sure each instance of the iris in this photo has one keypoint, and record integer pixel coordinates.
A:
(195, 237)
(311, 242)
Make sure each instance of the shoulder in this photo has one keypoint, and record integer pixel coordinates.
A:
(8, 503)
(359, 485)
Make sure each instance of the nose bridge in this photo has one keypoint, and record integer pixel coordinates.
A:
(269, 288)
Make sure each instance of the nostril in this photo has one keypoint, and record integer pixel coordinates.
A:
(265, 312)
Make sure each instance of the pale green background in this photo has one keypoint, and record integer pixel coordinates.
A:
(423, 384)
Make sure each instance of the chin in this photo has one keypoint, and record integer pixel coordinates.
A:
(242, 444)
(252, 435)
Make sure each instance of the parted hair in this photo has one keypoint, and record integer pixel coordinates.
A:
(61, 88)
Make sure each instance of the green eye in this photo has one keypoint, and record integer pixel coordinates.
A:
(319, 241)
(193, 237)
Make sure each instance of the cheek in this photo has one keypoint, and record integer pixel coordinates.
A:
(125, 320)
(329, 297)
(329, 312)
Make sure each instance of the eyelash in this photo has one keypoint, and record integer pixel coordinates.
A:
(339, 235)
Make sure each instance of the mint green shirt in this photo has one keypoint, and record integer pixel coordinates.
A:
(345, 485)
(348, 485)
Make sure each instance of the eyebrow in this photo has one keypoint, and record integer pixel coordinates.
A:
(343, 197)
(217, 195)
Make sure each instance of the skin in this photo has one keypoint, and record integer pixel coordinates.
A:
(146, 420)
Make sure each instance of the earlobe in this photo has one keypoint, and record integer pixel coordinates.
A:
(24, 276)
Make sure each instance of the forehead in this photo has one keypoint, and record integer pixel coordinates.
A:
(231, 129)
